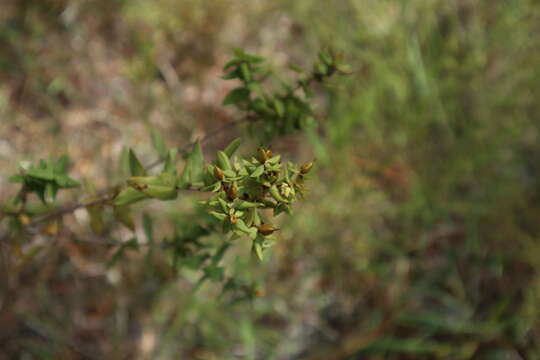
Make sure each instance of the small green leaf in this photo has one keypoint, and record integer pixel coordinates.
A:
(296, 68)
(257, 249)
(124, 216)
(214, 273)
(65, 182)
(123, 163)
(50, 192)
(232, 147)
(235, 74)
(246, 73)
(325, 58)
(161, 192)
(41, 173)
(219, 216)
(16, 179)
(148, 227)
(129, 196)
(193, 170)
(159, 143)
(241, 225)
(61, 165)
(170, 162)
(237, 95)
(280, 108)
(135, 165)
(258, 171)
(223, 161)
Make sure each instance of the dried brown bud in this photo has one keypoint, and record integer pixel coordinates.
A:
(218, 174)
(266, 229)
(306, 167)
(232, 192)
(264, 155)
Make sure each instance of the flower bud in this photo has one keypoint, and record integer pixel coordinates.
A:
(232, 192)
(263, 155)
(306, 167)
(218, 174)
(266, 229)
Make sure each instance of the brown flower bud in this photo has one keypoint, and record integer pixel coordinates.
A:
(266, 229)
(232, 192)
(264, 155)
(218, 174)
(306, 167)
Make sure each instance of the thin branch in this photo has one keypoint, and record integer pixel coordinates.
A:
(106, 196)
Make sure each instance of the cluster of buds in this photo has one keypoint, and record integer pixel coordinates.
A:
(246, 187)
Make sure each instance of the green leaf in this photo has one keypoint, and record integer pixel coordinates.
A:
(280, 108)
(61, 164)
(41, 173)
(159, 143)
(241, 226)
(214, 273)
(123, 163)
(257, 249)
(321, 68)
(16, 179)
(232, 147)
(65, 182)
(295, 68)
(325, 58)
(219, 216)
(50, 192)
(194, 262)
(170, 162)
(223, 161)
(129, 196)
(193, 170)
(237, 95)
(254, 59)
(124, 216)
(148, 227)
(231, 63)
(135, 165)
(246, 72)
(162, 192)
(232, 75)
(258, 171)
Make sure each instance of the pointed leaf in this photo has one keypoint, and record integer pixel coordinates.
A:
(124, 216)
(159, 143)
(232, 147)
(129, 196)
(193, 170)
(135, 165)
(235, 96)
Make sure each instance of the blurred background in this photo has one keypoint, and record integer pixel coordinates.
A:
(420, 235)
